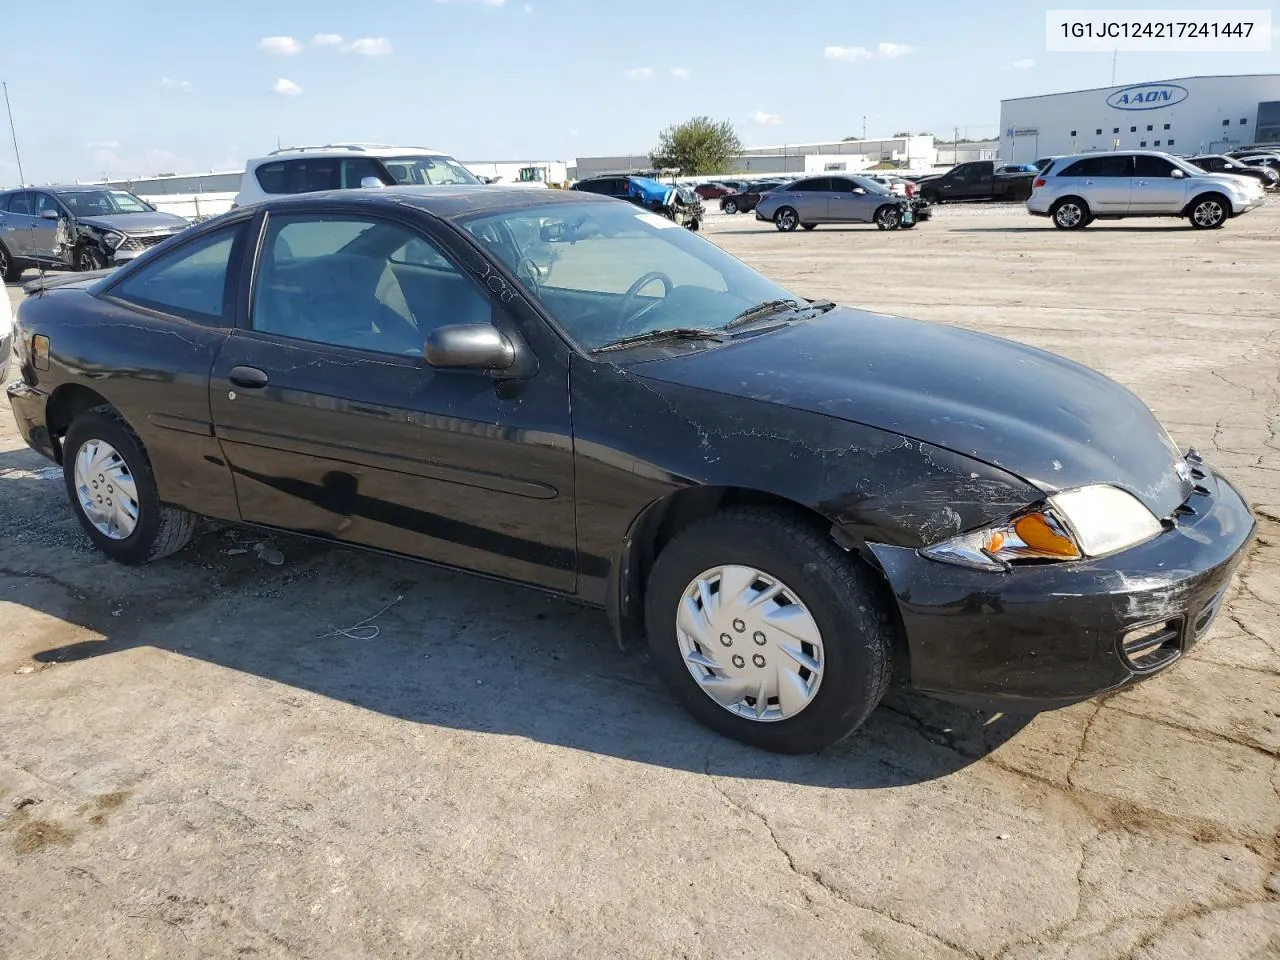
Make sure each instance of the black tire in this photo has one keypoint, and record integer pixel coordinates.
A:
(909, 226)
(1070, 213)
(808, 226)
(786, 219)
(10, 272)
(841, 595)
(930, 196)
(88, 259)
(729, 206)
(1209, 211)
(888, 217)
(161, 529)
(695, 225)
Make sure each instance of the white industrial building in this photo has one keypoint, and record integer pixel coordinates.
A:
(1187, 115)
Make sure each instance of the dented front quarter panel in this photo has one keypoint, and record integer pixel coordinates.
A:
(638, 440)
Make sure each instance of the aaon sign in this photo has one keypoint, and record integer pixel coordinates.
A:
(1148, 96)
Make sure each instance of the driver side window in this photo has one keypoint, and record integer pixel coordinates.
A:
(359, 282)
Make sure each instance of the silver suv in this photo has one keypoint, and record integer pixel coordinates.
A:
(1074, 191)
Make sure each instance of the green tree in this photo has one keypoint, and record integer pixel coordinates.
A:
(908, 133)
(697, 146)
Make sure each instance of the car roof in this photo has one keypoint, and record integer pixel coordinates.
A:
(349, 150)
(67, 188)
(452, 202)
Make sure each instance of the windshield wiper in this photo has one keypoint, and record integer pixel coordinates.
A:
(655, 336)
(761, 310)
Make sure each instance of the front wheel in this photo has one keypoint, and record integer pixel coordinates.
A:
(888, 218)
(1208, 212)
(768, 632)
(730, 206)
(89, 259)
(113, 492)
(909, 226)
(786, 219)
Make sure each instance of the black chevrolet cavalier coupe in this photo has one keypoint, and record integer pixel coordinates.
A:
(792, 500)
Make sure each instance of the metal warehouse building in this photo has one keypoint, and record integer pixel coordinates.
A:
(1187, 115)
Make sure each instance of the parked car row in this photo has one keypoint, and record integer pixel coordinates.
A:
(673, 201)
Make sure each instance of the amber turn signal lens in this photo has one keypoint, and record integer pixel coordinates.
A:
(1038, 534)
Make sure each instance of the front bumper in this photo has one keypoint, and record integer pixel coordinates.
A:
(1040, 637)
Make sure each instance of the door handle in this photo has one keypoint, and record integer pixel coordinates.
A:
(248, 377)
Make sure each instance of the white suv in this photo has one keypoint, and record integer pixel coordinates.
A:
(340, 166)
(1074, 191)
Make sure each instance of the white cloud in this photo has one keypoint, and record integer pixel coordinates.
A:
(370, 46)
(883, 51)
(680, 73)
(892, 51)
(764, 119)
(1026, 63)
(327, 40)
(280, 46)
(639, 73)
(170, 84)
(287, 88)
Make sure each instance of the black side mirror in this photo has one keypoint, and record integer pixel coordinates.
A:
(50, 215)
(471, 346)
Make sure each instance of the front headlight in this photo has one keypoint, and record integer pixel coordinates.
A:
(1072, 525)
(113, 237)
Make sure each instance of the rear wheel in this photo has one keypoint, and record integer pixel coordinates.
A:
(113, 492)
(1070, 213)
(10, 272)
(1209, 212)
(786, 219)
(767, 631)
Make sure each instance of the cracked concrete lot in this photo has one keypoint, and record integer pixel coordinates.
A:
(196, 762)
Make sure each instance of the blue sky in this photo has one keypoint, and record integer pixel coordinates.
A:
(140, 88)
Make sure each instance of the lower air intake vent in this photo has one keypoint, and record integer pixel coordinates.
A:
(1150, 647)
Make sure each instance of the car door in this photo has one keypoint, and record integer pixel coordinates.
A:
(954, 184)
(19, 226)
(810, 198)
(852, 202)
(335, 425)
(1159, 187)
(50, 236)
(1103, 182)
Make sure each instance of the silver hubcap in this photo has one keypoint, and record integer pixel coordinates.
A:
(786, 220)
(106, 491)
(889, 217)
(750, 643)
(1209, 213)
(730, 207)
(1069, 214)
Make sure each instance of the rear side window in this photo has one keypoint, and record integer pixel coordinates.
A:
(313, 174)
(1108, 165)
(20, 203)
(271, 177)
(193, 282)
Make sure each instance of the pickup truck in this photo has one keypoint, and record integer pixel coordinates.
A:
(977, 180)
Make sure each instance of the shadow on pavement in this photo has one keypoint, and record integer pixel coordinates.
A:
(456, 651)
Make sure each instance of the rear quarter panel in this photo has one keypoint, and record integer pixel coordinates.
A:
(154, 371)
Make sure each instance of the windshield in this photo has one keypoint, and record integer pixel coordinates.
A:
(103, 203)
(871, 186)
(427, 171)
(607, 271)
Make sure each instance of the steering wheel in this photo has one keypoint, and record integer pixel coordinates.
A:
(528, 272)
(627, 311)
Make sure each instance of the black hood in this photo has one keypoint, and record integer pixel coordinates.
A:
(1050, 421)
(131, 223)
